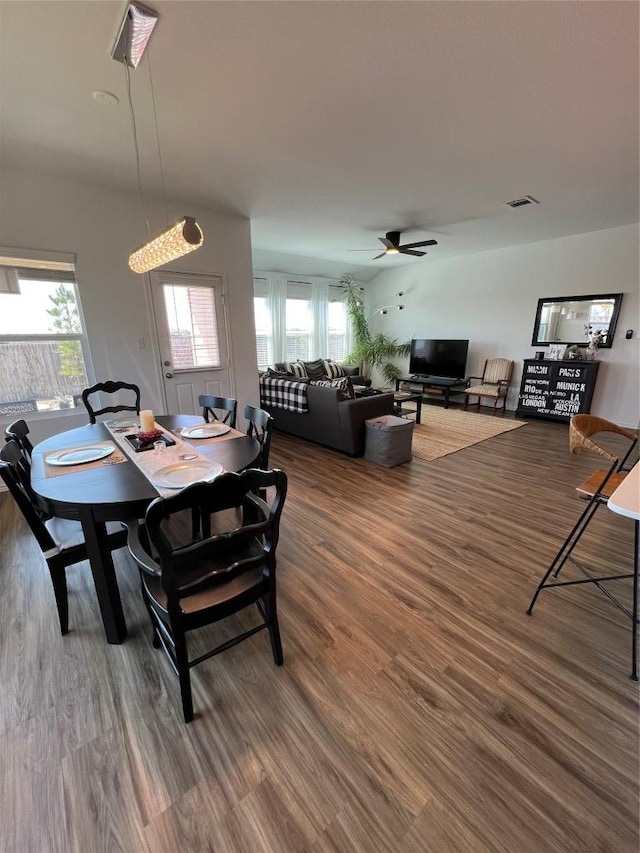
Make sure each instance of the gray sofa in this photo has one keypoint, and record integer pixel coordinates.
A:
(332, 421)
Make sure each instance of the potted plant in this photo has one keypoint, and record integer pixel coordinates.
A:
(370, 350)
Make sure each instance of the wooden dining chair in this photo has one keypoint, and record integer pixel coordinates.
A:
(19, 431)
(596, 491)
(61, 540)
(212, 406)
(110, 387)
(187, 585)
(259, 426)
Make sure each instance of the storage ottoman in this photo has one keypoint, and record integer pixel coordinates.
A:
(388, 440)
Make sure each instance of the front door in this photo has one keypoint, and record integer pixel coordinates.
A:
(192, 339)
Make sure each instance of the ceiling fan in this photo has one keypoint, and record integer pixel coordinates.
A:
(391, 242)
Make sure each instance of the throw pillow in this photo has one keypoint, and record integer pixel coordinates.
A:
(297, 368)
(315, 369)
(281, 367)
(333, 369)
(344, 386)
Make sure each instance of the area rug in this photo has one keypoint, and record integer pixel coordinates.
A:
(445, 431)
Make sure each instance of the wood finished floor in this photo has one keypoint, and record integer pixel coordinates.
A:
(419, 708)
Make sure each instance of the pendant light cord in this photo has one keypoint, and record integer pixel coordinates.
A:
(155, 119)
(135, 143)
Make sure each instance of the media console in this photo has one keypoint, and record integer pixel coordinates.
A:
(436, 386)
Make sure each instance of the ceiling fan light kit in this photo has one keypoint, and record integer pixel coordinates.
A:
(392, 246)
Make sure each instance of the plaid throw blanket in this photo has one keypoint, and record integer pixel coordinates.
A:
(283, 394)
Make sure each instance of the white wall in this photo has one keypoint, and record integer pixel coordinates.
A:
(101, 227)
(491, 298)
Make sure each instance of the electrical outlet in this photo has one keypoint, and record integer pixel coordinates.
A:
(141, 343)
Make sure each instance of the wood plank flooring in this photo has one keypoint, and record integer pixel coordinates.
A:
(418, 709)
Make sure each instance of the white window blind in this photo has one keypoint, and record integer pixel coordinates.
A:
(193, 328)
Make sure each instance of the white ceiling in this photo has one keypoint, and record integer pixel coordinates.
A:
(330, 123)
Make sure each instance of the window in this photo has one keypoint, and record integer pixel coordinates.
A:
(43, 345)
(299, 329)
(263, 332)
(337, 326)
(298, 319)
(193, 326)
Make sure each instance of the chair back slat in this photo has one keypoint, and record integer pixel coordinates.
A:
(19, 431)
(111, 387)
(212, 406)
(259, 427)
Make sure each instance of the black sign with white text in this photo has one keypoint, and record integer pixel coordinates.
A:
(555, 390)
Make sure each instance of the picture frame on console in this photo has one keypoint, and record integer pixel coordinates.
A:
(557, 352)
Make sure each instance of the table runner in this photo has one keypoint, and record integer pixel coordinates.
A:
(150, 461)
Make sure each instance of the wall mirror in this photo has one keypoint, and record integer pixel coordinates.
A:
(562, 319)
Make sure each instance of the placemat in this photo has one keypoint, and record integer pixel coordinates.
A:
(60, 470)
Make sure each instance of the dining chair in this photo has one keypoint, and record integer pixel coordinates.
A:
(189, 584)
(61, 540)
(260, 424)
(494, 383)
(19, 431)
(596, 491)
(110, 387)
(211, 406)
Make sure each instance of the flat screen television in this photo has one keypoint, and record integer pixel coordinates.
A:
(444, 358)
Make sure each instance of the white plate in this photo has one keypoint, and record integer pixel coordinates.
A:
(205, 430)
(128, 423)
(79, 455)
(183, 474)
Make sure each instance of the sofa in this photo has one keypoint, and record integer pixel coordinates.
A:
(331, 420)
(319, 369)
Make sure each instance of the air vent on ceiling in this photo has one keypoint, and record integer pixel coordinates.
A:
(521, 202)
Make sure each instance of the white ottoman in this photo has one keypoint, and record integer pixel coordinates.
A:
(388, 440)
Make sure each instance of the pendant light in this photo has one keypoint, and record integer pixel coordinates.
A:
(185, 235)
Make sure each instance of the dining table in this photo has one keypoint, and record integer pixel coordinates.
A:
(101, 493)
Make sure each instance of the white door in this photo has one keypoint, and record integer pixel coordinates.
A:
(192, 339)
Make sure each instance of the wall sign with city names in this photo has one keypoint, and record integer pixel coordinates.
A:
(555, 390)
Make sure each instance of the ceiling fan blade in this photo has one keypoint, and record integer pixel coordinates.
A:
(379, 256)
(421, 243)
(404, 251)
(386, 242)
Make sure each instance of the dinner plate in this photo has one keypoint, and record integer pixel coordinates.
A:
(127, 423)
(205, 430)
(79, 455)
(183, 474)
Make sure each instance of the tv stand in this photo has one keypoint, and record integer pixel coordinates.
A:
(436, 386)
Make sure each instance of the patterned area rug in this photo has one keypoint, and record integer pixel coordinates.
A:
(445, 431)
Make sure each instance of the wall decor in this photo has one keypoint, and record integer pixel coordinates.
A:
(562, 319)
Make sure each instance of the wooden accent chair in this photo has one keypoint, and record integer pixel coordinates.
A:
(187, 585)
(110, 387)
(596, 490)
(19, 431)
(494, 383)
(211, 406)
(60, 539)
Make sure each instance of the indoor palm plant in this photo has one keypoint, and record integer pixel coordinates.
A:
(370, 350)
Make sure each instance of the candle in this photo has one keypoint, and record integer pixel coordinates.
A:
(147, 424)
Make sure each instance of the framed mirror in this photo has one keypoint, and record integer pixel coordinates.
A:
(564, 319)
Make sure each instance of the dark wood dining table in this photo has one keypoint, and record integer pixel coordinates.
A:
(116, 493)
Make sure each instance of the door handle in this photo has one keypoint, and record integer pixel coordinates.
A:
(169, 375)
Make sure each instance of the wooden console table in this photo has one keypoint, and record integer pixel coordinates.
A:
(556, 390)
